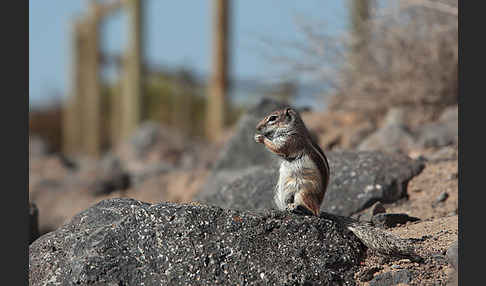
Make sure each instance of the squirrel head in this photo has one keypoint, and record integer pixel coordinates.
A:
(279, 123)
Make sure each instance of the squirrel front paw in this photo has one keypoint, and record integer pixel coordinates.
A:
(298, 209)
(259, 138)
(291, 207)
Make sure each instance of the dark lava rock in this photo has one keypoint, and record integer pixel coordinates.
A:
(366, 215)
(241, 151)
(391, 220)
(392, 278)
(110, 183)
(377, 208)
(358, 179)
(452, 254)
(111, 177)
(33, 222)
(249, 189)
(128, 242)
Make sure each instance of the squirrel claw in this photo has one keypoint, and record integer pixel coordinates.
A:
(259, 138)
(298, 209)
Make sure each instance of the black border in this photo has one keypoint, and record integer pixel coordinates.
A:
(15, 175)
(469, 191)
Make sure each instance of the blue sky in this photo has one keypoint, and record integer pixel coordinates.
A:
(178, 34)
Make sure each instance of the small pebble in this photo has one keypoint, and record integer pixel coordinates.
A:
(441, 198)
(378, 208)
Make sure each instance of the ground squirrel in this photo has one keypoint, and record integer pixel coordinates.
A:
(304, 177)
(304, 171)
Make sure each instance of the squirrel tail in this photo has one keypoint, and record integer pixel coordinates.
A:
(377, 239)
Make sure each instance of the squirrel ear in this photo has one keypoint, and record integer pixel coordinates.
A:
(289, 113)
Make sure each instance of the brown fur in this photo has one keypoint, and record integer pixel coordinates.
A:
(284, 134)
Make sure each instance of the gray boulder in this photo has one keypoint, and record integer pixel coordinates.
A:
(241, 151)
(443, 132)
(393, 136)
(144, 137)
(358, 180)
(128, 242)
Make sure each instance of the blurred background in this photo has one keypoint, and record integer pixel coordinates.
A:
(136, 97)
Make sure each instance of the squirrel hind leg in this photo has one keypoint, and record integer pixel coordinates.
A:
(305, 204)
(301, 210)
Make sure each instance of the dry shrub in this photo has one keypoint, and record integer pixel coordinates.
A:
(410, 60)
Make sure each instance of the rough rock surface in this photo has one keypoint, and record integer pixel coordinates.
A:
(385, 220)
(358, 180)
(128, 242)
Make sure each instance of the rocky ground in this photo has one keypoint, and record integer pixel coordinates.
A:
(416, 175)
(435, 233)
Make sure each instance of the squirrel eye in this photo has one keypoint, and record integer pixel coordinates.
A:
(272, 118)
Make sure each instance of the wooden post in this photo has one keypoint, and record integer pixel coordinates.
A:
(131, 99)
(218, 89)
(92, 97)
(82, 124)
(115, 106)
(181, 104)
(360, 14)
(72, 109)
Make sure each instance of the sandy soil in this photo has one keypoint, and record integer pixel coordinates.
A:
(434, 234)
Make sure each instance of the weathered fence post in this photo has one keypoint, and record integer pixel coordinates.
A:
(131, 99)
(92, 96)
(218, 90)
(72, 110)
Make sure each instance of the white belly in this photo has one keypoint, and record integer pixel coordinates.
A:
(287, 187)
